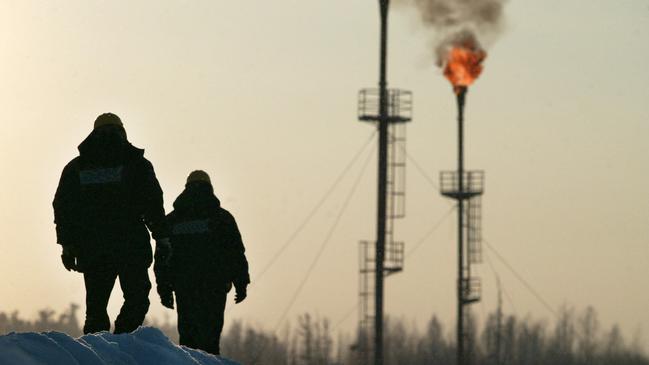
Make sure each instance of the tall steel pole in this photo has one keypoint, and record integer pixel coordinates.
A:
(460, 228)
(499, 317)
(382, 186)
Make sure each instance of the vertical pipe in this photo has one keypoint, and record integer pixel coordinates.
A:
(461, 92)
(382, 186)
(499, 317)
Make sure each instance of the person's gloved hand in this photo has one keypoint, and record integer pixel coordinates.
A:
(69, 258)
(163, 251)
(166, 296)
(241, 292)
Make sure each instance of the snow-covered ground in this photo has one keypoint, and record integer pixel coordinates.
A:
(145, 346)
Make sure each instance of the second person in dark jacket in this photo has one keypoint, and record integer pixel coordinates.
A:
(208, 257)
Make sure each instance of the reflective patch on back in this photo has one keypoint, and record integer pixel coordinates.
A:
(101, 176)
(191, 227)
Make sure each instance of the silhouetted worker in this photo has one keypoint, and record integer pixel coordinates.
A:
(106, 199)
(208, 256)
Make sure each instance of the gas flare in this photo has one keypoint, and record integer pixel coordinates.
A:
(463, 65)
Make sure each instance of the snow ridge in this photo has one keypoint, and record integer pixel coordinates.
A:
(145, 346)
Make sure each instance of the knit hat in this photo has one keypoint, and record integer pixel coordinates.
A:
(198, 175)
(108, 119)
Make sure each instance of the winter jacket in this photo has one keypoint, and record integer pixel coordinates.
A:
(106, 199)
(206, 243)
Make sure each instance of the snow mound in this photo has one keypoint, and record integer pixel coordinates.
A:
(145, 346)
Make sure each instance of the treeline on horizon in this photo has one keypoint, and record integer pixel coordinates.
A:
(576, 338)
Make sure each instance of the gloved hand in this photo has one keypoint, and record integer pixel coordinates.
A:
(163, 251)
(166, 296)
(69, 258)
(163, 278)
(241, 292)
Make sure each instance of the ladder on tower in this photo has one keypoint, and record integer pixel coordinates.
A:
(474, 229)
(396, 202)
(367, 312)
(399, 105)
(394, 255)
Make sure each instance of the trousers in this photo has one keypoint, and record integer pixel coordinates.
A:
(200, 317)
(135, 284)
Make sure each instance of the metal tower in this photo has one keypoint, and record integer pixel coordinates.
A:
(371, 268)
(389, 109)
(466, 187)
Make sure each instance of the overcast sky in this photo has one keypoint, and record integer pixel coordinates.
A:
(262, 95)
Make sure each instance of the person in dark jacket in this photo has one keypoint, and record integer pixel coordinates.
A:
(106, 199)
(207, 258)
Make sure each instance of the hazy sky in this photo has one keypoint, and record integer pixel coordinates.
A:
(262, 95)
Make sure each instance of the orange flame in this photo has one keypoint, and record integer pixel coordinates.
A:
(464, 65)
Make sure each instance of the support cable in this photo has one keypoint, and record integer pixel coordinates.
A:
(421, 170)
(417, 245)
(320, 251)
(502, 288)
(432, 230)
(324, 243)
(309, 216)
(522, 280)
(529, 287)
(345, 316)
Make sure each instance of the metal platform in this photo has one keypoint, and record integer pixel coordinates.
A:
(399, 105)
(472, 181)
(471, 290)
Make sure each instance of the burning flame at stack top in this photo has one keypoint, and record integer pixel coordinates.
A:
(462, 66)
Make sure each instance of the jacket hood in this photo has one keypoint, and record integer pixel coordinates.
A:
(197, 199)
(98, 147)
